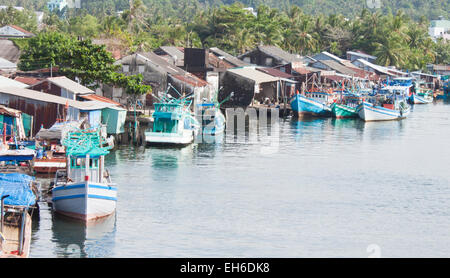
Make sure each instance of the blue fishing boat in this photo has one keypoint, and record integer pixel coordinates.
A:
(313, 104)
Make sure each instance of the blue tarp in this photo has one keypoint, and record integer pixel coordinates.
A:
(17, 187)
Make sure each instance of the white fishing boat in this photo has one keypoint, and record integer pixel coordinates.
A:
(390, 104)
(173, 123)
(84, 190)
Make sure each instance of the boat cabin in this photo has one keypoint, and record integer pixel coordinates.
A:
(85, 157)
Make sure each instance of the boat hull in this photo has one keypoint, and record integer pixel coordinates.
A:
(159, 138)
(368, 113)
(416, 99)
(303, 106)
(49, 165)
(341, 111)
(85, 201)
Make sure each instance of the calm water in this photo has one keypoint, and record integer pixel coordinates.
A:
(331, 188)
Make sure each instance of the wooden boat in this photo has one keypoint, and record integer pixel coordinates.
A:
(7, 153)
(389, 104)
(312, 103)
(370, 112)
(49, 162)
(421, 98)
(173, 122)
(19, 197)
(84, 190)
(420, 94)
(345, 107)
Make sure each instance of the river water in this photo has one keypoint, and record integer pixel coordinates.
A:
(325, 188)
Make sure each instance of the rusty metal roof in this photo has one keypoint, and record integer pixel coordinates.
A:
(100, 98)
(275, 72)
(228, 57)
(44, 97)
(28, 80)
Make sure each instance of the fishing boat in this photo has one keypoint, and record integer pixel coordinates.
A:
(313, 104)
(19, 197)
(345, 107)
(84, 190)
(18, 155)
(50, 161)
(421, 98)
(173, 122)
(419, 94)
(389, 104)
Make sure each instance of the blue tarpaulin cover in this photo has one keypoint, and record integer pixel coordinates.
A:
(17, 187)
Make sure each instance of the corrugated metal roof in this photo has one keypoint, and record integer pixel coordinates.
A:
(44, 97)
(9, 51)
(275, 72)
(228, 57)
(373, 66)
(331, 56)
(253, 74)
(190, 79)
(8, 82)
(360, 54)
(28, 80)
(277, 52)
(69, 85)
(336, 66)
(5, 64)
(100, 98)
(161, 62)
(173, 52)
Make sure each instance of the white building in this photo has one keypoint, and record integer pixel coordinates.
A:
(439, 29)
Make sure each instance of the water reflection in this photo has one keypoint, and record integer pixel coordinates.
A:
(75, 239)
(330, 188)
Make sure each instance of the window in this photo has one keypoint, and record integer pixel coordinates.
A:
(141, 68)
(269, 61)
(247, 60)
(125, 68)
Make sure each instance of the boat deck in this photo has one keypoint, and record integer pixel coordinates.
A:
(11, 234)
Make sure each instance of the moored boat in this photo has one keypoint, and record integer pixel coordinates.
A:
(345, 106)
(370, 112)
(84, 190)
(343, 111)
(19, 197)
(421, 98)
(173, 122)
(312, 104)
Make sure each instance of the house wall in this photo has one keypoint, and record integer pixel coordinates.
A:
(49, 88)
(133, 65)
(261, 59)
(44, 113)
(243, 89)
